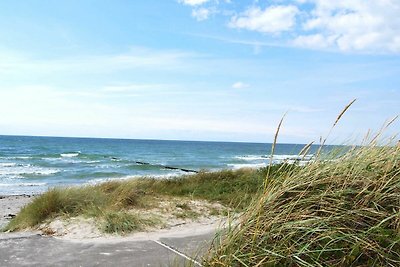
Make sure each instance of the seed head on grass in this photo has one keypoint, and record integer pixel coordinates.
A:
(342, 212)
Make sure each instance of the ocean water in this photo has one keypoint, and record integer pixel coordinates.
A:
(30, 165)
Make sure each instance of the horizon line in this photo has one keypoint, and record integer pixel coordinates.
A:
(152, 139)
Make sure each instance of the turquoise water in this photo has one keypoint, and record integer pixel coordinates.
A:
(31, 165)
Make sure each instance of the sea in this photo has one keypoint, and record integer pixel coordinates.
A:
(31, 165)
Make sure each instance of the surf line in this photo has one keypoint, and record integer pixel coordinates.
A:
(177, 252)
(165, 167)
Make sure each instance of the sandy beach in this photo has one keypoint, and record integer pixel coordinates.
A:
(11, 205)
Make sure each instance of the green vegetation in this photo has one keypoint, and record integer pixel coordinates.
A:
(342, 212)
(123, 222)
(113, 202)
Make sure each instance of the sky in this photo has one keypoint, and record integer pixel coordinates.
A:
(219, 70)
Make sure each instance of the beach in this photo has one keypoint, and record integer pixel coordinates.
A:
(11, 205)
(177, 245)
(60, 240)
(78, 229)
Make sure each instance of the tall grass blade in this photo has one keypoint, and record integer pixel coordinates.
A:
(334, 124)
(273, 148)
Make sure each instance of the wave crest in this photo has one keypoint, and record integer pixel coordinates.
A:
(70, 154)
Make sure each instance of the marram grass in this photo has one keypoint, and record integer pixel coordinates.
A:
(113, 201)
(342, 212)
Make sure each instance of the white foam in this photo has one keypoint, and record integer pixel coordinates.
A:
(251, 166)
(290, 157)
(106, 166)
(275, 157)
(14, 158)
(92, 161)
(23, 157)
(70, 155)
(250, 157)
(254, 160)
(21, 184)
(157, 176)
(20, 170)
(7, 164)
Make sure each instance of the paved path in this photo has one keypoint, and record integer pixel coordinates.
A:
(35, 250)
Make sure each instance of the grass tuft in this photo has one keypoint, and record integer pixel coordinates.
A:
(108, 201)
(340, 212)
(123, 222)
(56, 202)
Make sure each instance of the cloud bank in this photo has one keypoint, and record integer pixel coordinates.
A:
(357, 26)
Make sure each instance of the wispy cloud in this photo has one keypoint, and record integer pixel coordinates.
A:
(240, 85)
(203, 9)
(201, 13)
(136, 58)
(273, 19)
(193, 2)
(129, 88)
(257, 45)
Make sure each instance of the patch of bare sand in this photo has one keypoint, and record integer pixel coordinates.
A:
(11, 205)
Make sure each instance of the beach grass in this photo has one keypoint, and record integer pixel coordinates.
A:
(113, 201)
(339, 212)
(342, 210)
(124, 222)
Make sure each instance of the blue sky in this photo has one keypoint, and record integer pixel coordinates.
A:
(198, 69)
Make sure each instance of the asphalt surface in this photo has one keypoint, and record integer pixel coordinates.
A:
(32, 249)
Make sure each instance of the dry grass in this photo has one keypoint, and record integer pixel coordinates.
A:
(112, 202)
(339, 212)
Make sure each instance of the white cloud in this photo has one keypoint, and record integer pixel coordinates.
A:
(273, 19)
(368, 25)
(240, 85)
(193, 2)
(134, 88)
(201, 13)
(317, 41)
